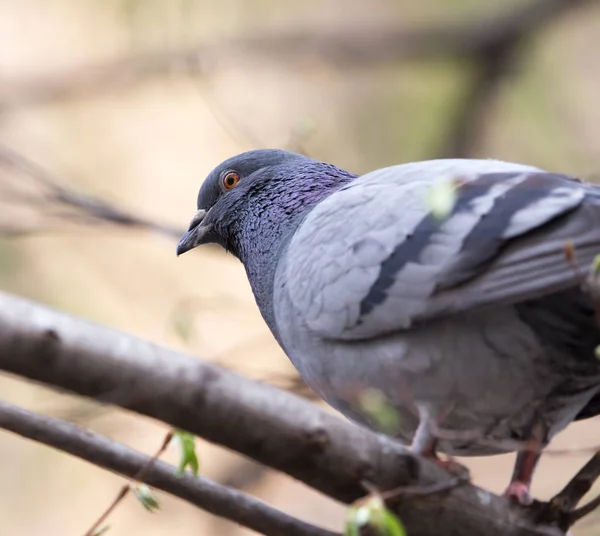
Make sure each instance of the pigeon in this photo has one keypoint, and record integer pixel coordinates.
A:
(476, 324)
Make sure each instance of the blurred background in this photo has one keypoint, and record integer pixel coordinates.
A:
(121, 107)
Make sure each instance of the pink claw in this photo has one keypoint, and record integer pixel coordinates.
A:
(519, 492)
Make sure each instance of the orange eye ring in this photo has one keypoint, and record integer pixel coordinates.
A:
(230, 180)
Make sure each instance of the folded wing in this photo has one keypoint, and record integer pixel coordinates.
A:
(372, 259)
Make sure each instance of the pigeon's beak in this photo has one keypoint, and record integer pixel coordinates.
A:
(195, 234)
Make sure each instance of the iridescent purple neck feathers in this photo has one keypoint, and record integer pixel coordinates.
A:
(264, 220)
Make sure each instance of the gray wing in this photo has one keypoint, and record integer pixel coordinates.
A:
(371, 259)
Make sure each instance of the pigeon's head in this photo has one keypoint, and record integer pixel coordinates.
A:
(254, 190)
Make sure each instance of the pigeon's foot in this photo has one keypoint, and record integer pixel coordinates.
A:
(450, 465)
(424, 444)
(424, 441)
(518, 492)
(527, 459)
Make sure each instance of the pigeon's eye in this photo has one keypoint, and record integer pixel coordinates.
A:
(230, 180)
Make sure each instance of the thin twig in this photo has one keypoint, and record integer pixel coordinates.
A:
(585, 510)
(76, 206)
(138, 477)
(568, 498)
(103, 452)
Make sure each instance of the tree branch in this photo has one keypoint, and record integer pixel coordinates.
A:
(271, 426)
(204, 493)
(347, 46)
(568, 498)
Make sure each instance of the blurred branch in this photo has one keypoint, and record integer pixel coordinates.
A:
(108, 454)
(261, 422)
(347, 46)
(491, 69)
(56, 204)
(494, 59)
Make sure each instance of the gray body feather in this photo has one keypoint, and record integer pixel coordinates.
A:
(372, 291)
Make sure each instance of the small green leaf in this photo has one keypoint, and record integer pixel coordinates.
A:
(372, 512)
(440, 198)
(188, 457)
(352, 522)
(144, 495)
(595, 269)
(374, 403)
(392, 524)
(102, 530)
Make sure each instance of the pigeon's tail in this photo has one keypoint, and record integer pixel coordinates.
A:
(567, 321)
(590, 329)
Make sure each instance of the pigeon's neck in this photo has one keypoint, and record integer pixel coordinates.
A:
(270, 220)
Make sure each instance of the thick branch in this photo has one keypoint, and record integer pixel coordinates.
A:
(347, 45)
(204, 493)
(271, 426)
